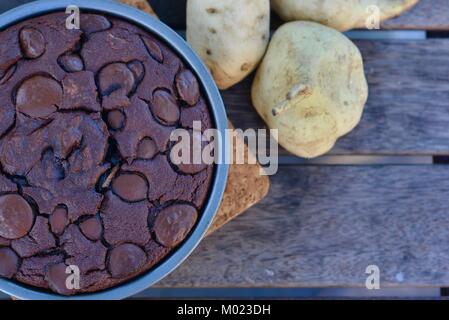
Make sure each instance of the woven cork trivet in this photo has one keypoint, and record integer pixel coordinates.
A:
(245, 185)
(140, 4)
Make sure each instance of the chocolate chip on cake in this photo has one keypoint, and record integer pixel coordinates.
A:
(16, 216)
(147, 148)
(165, 108)
(56, 277)
(39, 96)
(153, 49)
(115, 76)
(188, 88)
(174, 223)
(32, 42)
(59, 219)
(125, 260)
(92, 228)
(116, 119)
(9, 263)
(71, 62)
(7, 75)
(130, 187)
(94, 23)
(138, 69)
(194, 146)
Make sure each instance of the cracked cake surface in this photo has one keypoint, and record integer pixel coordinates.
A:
(86, 178)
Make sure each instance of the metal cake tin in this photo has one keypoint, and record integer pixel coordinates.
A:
(211, 93)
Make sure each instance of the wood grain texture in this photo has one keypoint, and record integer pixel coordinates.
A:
(408, 108)
(322, 226)
(426, 15)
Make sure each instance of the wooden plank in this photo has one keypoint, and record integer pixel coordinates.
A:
(426, 15)
(408, 109)
(322, 226)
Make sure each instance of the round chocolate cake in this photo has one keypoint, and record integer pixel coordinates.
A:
(86, 179)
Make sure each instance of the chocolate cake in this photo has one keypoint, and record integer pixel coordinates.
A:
(86, 177)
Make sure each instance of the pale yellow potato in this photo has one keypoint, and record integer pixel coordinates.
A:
(230, 36)
(340, 14)
(310, 86)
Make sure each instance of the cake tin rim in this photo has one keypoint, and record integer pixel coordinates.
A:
(218, 113)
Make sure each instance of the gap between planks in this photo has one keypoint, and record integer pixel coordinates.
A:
(370, 34)
(358, 160)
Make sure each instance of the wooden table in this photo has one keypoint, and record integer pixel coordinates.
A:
(381, 197)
